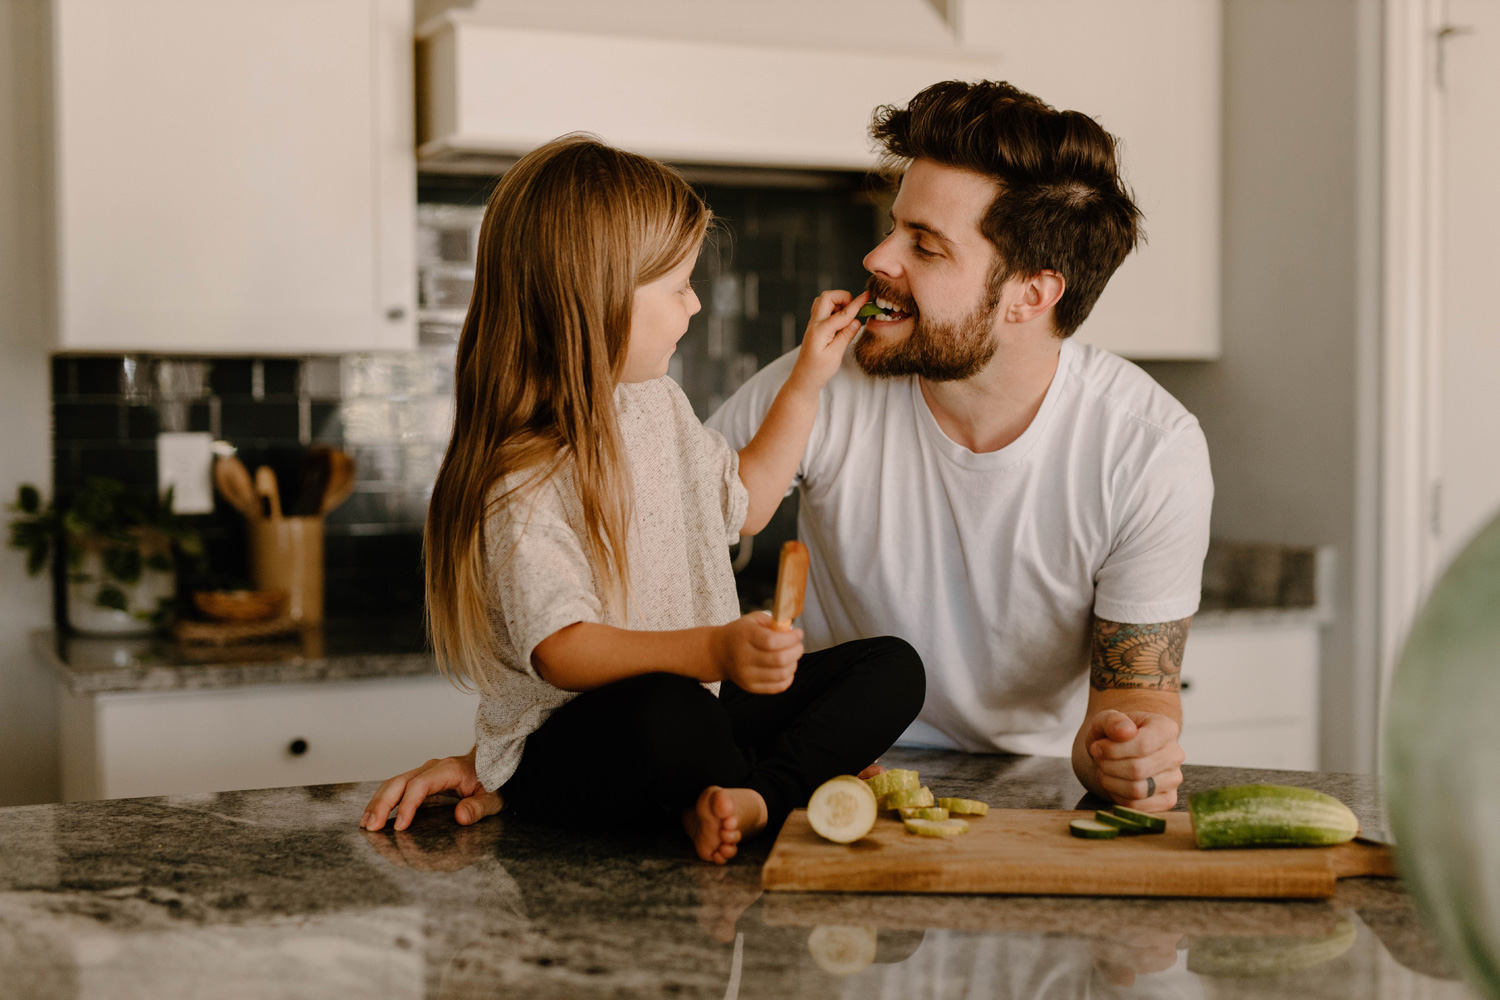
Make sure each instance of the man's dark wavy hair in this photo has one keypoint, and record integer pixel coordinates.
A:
(1061, 206)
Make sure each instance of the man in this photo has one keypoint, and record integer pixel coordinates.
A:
(1023, 509)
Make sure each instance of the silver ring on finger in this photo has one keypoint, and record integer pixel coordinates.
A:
(1150, 787)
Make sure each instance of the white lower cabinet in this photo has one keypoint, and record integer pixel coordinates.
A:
(1250, 695)
(121, 745)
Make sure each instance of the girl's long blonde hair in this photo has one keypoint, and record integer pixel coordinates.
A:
(568, 235)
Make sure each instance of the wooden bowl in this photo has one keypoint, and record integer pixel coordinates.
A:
(239, 605)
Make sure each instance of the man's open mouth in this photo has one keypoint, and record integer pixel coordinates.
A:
(882, 310)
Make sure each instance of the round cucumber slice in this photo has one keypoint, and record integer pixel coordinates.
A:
(936, 827)
(907, 798)
(1092, 829)
(893, 780)
(1127, 828)
(842, 810)
(964, 807)
(923, 812)
(1151, 821)
(842, 951)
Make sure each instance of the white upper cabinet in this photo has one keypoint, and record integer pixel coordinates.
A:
(234, 176)
(786, 83)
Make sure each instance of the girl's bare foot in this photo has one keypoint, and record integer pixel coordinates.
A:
(721, 818)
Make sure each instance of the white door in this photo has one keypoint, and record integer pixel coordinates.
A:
(1467, 407)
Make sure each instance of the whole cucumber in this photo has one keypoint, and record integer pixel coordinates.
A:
(1269, 816)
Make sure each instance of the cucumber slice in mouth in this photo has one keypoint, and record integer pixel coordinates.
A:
(869, 309)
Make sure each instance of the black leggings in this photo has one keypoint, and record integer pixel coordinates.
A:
(646, 747)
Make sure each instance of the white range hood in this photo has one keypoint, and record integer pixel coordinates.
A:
(494, 84)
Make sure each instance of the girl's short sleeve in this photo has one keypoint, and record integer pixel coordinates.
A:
(733, 497)
(541, 577)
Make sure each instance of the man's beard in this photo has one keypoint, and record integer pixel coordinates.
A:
(936, 351)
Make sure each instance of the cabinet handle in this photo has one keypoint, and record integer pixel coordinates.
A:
(297, 747)
(1186, 684)
(395, 313)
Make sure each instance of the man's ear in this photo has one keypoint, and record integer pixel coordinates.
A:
(1038, 293)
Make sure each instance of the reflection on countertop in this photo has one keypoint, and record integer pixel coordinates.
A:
(277, 893)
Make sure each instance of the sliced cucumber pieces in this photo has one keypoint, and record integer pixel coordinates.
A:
(1125, 826)
(1092, 829)
(890, 781)
(923, 812)
(905, 798)
(1152, 821)
(1269, 816)
(843, 809)
(936, 827)
(964, 807)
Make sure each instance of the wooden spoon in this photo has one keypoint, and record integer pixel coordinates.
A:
(341, 471)
(233, 481)
(269, 493)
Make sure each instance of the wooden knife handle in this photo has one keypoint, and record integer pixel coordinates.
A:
(791, 584)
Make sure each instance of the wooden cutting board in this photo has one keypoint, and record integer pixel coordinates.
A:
(1031, 852)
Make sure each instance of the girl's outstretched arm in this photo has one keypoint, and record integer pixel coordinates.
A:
(769, 461)
(747, 651)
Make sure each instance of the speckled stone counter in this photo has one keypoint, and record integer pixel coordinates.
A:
(278, 894)
(335, 651)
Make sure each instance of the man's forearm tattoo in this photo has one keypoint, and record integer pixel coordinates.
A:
(1138, 656)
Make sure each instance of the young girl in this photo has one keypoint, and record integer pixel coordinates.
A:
(577, 541)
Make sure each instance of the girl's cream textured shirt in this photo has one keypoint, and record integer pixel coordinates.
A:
(688, 505)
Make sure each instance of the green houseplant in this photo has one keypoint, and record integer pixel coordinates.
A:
(120, 550)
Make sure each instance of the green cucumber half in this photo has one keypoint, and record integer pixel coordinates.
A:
(1269, 816)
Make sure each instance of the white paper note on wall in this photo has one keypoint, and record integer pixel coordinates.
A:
(184, 465)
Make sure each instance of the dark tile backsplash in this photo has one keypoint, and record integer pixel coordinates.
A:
(773, 251)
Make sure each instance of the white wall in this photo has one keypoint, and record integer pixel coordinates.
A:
(1283, 410)
(28, 701)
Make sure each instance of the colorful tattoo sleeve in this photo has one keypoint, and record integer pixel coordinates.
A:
(1137, 656)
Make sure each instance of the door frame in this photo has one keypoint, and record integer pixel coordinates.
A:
(1410, 352)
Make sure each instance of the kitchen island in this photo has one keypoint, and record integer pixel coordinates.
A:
(277, 893)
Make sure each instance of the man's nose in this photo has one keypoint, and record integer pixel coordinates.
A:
(882, 260)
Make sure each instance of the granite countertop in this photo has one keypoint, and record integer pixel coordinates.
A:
(278, 894)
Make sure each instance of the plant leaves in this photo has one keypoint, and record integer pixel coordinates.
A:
(123, 563)
(112, 597)
(159, 561)
(28, 499)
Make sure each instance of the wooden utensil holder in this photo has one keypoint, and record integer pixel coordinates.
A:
(286, 554)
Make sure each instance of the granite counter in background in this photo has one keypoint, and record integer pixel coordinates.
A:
(393, 646)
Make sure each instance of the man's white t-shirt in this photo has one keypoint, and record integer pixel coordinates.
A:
(990, 564)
